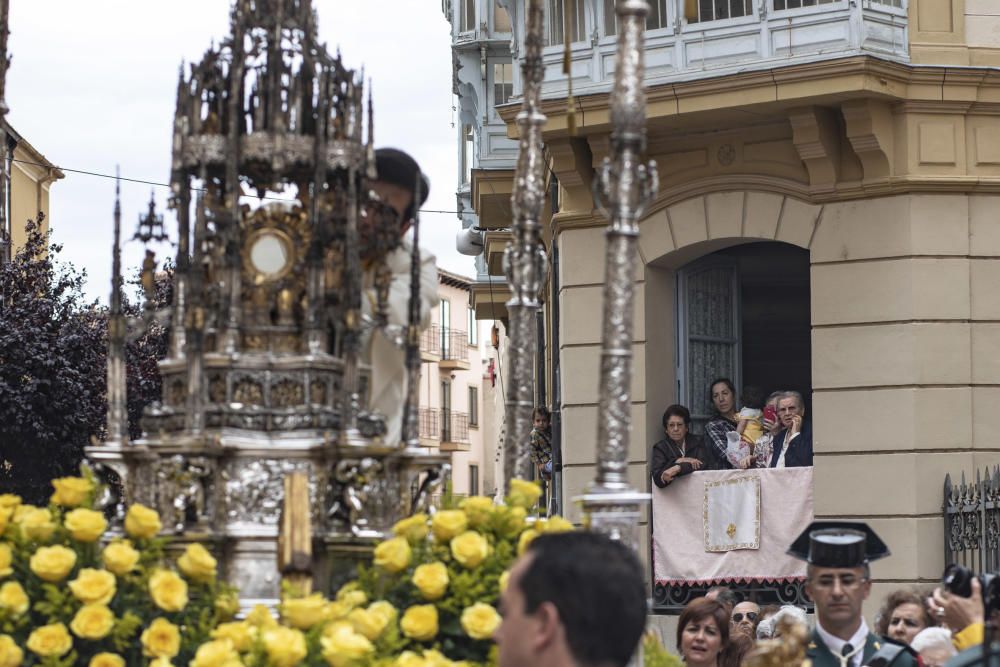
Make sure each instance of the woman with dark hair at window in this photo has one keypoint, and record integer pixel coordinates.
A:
(722, 394)
(681, 452)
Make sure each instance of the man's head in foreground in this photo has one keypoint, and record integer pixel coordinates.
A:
(397, 183)
(573, 599)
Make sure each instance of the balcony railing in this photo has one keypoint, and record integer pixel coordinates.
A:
(971, 514)
(454, 344)
(454, 426)
(430, 341)
(428, 423)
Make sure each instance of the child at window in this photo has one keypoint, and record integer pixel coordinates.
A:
(749, 428)
(541, 441)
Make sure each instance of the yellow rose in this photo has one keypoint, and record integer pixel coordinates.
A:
(120, 557)
(50, 640)
(385, 610)
(436, 659)
(71, 491)
(446, 524)
(216, 653)
(285, 647)
(93, 586)
(92, 621)
(5, 515)
(420, 622)
(523, 494)
(227, 605)
(470, 549)
(168, 590)
(85, 525)
(409, 659)
(260, 617)
(503, 580)
(368, 623)
(556, 524)
(352, 598)
(9, 501)
(413, 528)
(161, 662)
(527, 537)
(198, 564)
(107, 660)
(511, 520)
(6, 559)
(52, 563)
(345, 647)
(13, 597)
(36, 523)
(480, 620)
(141, 522)
(237, 632)
(431, 579)
(11, 654)
(162, 639)
(304, 613)
(478, 509)
(393, 555)
(338, 609)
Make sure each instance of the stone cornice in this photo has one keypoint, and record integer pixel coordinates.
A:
(820, 82)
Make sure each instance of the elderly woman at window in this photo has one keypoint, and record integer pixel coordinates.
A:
(792, 446)
(764, 445)
(681, 452)
(723, 397)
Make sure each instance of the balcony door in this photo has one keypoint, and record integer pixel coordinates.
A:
(445, 410)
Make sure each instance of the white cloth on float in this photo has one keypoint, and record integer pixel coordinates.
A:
(388, 361)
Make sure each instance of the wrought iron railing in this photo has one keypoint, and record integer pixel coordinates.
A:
(428, 420)
(430, 340)
(673, 599)
(454, 344)
(972, 521)
(454, 426)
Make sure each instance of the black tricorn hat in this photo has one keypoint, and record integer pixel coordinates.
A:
(844, 544)
(399, 168)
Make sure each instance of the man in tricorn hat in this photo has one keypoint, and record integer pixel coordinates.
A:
(838, 580)
(396, 186)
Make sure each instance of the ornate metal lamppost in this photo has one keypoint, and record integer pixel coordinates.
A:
(525, 256)
(623, 188)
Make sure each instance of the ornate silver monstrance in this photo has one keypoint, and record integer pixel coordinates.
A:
(266, 372)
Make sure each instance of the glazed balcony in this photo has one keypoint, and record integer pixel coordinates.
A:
(690, 39)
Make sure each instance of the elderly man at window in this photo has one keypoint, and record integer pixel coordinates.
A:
(792, 447)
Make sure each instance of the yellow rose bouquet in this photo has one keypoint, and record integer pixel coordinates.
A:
(72, 595)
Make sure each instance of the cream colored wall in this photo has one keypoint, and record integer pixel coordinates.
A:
(955, 32)
(28, 196)
(430, 389)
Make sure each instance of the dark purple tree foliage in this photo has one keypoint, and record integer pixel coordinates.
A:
(53, 372)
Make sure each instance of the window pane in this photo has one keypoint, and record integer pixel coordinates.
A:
(554, 18)
(711, 311)
(657, 17)
(610, 18)
(716, 10)
(468, 15)
(473, 480)
(473, 406)
(797, 4)
(501, 19)
(473, 327)
(503, 82)
(468, 150)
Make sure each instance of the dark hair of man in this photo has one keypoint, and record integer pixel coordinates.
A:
(596, 585)
(711, 389)
(698, 610)
(399, 168)
(725, 595)
(541, 412)
(677, 411)
(896, 598)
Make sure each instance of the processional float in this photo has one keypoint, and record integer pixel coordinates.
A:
(265, 375)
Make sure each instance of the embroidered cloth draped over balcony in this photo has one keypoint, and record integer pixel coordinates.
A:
(687, 540)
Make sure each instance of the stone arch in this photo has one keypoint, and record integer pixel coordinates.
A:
(706, 222)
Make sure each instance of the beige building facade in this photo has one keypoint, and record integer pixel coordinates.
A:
(451, 389)
(829, 224)
(31, 177)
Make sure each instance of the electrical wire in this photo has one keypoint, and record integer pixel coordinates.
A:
(142, 181)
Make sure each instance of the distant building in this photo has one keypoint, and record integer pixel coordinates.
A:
(451, 389)
(29, 178)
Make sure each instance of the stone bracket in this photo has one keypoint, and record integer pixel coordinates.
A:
(570, 161)
(870, 131)
(815, 135)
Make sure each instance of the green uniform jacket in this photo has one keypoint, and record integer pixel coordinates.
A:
(820, 655)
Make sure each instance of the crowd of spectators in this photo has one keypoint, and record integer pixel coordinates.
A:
(720, 629)
(767, 431)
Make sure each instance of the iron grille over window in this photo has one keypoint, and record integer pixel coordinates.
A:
(428, 422)
(430, 340)
(454, 426)
(699, 11)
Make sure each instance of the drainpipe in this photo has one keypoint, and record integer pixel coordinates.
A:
(557, 484)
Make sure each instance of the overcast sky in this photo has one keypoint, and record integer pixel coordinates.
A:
(92, 85)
